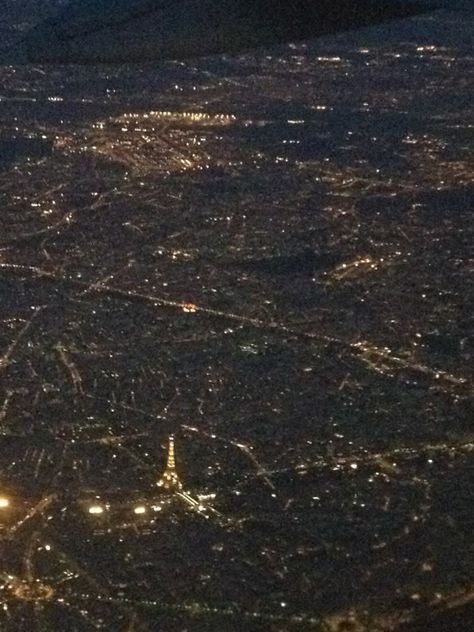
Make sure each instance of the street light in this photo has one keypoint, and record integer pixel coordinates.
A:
(4, 502)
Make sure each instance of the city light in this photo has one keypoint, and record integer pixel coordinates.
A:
(96, 510)
(4, 502)
(170, 479)
(139, 510)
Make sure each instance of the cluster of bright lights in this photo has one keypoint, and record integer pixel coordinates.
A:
(190, 308)
(169, 480)
(96, 510)
(138, 510)
(4, 502)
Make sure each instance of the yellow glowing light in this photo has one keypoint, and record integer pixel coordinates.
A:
(32, 591)
(139, 510)
(190, 308)
(4, 502)
(96, 510)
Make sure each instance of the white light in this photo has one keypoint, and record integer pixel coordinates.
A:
(4, 502)
(96, 510)
(139, 510)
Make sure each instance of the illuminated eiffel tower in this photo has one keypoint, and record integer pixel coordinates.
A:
(170, 479)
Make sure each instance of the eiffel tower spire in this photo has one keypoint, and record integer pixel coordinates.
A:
(170, 479)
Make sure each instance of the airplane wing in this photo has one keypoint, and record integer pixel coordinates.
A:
(138, 31)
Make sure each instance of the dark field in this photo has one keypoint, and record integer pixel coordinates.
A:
(269, 257)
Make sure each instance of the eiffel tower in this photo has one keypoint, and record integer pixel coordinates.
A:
(170, 479)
